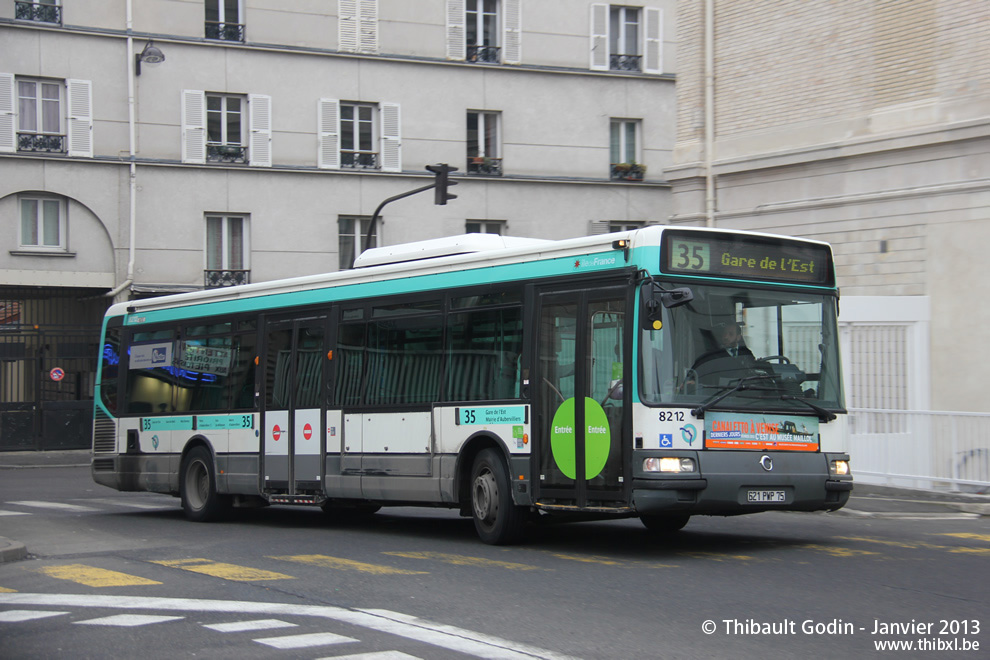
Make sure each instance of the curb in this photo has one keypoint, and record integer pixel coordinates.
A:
(11, 550)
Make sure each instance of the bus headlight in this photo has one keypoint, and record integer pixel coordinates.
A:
(840, 467)
(668, 464)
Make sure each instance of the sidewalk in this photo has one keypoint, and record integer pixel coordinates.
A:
(867, 501)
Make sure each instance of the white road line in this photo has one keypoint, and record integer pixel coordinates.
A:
(448, 637)
(134, 505)
(128, 620)
(54, 505)
(14, 513)
(304, 641)
(15, 616)
(249, 626)
(374, 655)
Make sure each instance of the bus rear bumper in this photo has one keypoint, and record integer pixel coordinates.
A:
(735, 483)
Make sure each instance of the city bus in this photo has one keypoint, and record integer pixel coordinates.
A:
(514, 380)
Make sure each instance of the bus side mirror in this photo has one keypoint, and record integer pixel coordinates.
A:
(655, 298)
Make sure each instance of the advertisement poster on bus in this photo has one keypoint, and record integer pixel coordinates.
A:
(761, 431)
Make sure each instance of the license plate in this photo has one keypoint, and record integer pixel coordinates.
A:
(765, 496)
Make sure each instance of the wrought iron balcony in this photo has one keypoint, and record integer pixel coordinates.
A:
(225, 31)
(34, 11)
(214, 279)
(625, 62)
(487, 54)
(359, 160)
(627, 172)
(41, 142)
(226, 153)
(484, 166)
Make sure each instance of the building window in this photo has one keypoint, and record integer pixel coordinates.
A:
(481, 30)
(223, 20)
(39, 116)
(353, 231)
(482, 143)
(43, 11)
(623, 42)
(225, 129)
(484, 227)
(624, 150)
(357, 136)
(42, 224)
(227, 251)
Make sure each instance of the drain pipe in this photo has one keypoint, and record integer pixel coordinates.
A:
(709, 111)
(131, 152)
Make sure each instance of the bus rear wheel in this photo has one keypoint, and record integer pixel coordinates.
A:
(665, 524)
(198, 487)
(497, 519)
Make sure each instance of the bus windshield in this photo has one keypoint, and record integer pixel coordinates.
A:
(743, 348)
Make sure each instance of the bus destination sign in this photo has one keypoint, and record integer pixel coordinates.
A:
(750, 257)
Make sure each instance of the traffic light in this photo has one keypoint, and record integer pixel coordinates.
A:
(442, 182)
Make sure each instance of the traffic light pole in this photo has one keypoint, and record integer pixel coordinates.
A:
(440, 185)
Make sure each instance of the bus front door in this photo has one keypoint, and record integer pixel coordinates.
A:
(294, 405)
(582, 398)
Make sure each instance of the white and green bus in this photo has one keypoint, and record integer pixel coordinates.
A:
(511, 379)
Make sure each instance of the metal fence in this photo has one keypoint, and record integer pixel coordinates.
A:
(921, 448)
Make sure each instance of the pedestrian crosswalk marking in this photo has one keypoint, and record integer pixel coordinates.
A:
(347, 565)
(222, 570)
(54, 505)
(92, 576)
(305, 641)
(375, 655)
(249, 626)
(16, 616)
(128, 620)
(465, 560)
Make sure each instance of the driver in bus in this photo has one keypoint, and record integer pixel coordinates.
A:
(729, 362)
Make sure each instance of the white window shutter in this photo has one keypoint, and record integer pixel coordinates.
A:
(596, 227)
(8, 118)
(347, 25)
(599, 37)
(80, 124)
(193, 126)
(368, 26)
(328, 116)
(653, 41)
(391, 138)
(456, 30)
(260, 140)
(512, 40)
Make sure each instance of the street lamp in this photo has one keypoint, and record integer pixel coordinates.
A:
(151, 54)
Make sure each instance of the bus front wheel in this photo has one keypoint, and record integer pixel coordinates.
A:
(198, 487)
(665, 524)
(497, 520)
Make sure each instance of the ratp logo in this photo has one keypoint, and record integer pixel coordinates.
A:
(689, 433)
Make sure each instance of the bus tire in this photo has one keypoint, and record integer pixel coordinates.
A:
(497, 519)
(198, 487)
(665, 523)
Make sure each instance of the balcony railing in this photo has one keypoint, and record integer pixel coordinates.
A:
(225, 31)
(214, 279)
(487, 54)
(226, 153)
(627, 172)
(359, 160)
(625, 62)
(41, 142)
(34, 11)
(484, 166)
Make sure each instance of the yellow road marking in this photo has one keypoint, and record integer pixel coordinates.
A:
(972, 551)
(348, 565)
(464, 560)
(225, 571)
(717, 556)
(5, 590)
(587, 560)
(839, 552)
(864, 539)
(94, 577)
(969, 535)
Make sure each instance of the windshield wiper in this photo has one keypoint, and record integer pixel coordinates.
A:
(699, 412)
(823, 414)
